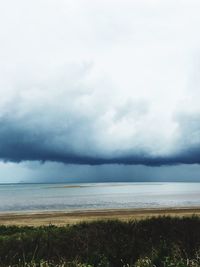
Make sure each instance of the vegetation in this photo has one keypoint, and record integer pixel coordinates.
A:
(154, 242)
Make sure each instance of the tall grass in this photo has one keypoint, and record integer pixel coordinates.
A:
(160, 242)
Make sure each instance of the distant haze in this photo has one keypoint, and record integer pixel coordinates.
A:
(99, 90)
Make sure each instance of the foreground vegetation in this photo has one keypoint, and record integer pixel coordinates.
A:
(160, 242)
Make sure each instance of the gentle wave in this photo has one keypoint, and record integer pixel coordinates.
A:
(69, 197)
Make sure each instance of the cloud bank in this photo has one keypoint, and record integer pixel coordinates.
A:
(100, 83)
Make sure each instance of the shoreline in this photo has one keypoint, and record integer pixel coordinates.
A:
(61, 218)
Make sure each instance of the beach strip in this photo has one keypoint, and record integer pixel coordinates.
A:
(62, 218)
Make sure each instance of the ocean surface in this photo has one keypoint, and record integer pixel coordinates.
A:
(91, 196)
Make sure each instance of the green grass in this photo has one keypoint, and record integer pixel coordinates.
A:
(160, 242)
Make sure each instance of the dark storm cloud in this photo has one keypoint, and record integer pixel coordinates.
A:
(19, 143)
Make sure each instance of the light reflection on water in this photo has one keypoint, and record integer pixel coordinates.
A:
(67, 197)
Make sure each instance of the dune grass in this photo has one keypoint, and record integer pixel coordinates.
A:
(160, 242)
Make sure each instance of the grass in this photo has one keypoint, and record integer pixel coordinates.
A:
(158, 242)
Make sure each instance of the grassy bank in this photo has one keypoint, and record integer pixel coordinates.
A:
(162, 241)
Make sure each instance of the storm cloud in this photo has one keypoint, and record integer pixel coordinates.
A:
(53, 132)
(101, 83)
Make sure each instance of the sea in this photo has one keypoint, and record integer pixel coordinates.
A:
(97, 196)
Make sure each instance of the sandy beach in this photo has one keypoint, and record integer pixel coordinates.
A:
(63, 218)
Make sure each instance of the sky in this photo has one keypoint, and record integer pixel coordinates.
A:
(99, 90)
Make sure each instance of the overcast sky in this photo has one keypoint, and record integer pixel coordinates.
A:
(99, 90)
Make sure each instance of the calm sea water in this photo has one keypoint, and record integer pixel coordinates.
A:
(57, 197)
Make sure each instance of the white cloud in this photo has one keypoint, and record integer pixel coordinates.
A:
(69, 67)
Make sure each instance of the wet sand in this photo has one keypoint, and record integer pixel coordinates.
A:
(63, 218)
